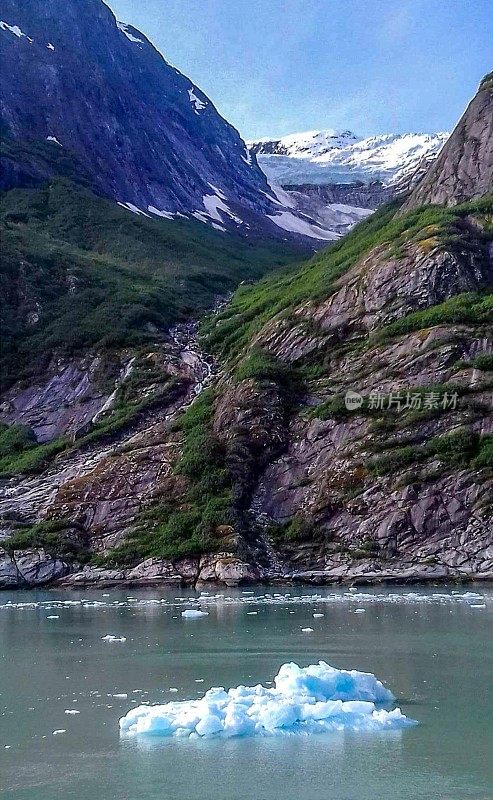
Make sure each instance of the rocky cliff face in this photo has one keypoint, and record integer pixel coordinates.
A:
(464, 168)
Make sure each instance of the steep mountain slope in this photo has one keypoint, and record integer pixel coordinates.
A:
(345, 433)
(322, 157)
(143, 131)
(79, 272)
(135, 128)
(464, 168)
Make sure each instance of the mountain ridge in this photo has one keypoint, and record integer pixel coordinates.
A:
(138, 129)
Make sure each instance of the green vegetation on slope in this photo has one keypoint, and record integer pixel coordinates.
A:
(232, 332)
(20, 452)
(470, 308)
(78, 271)
(458, 449)
(189, 523)
(54, 536)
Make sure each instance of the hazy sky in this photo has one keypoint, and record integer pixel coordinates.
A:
(277, 66)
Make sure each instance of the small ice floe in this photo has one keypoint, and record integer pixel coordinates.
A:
(304, 700)
(307, 630)
(71, 711)
(359, 610)
(121, 695)
(110, 638)
(54, 140)
(173, 689)
(194, 613)
(58, 732)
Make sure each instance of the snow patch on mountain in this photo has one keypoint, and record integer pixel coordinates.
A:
(215, 206)
(197, 103)
(15, 30)
(134, 209)
(157, 212)
(298, 224)
(321, 157)
(130, 36)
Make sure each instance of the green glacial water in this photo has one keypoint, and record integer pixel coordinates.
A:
(433, 647)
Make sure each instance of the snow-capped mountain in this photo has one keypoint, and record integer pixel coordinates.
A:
(322, 157)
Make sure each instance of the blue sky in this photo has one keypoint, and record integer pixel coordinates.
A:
(277, 66)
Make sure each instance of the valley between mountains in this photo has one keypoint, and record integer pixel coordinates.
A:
(195, 387)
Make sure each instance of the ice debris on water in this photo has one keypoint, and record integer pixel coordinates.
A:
(351, 597)
(110, 638)
(194, 613)
(314, 699)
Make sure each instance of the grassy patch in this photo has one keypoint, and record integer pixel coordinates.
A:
(298, 529)
(261, 366)
(458, 449)
(191, 523)
(469, 308)
(52, 536)
(483, 362)
(30, 457)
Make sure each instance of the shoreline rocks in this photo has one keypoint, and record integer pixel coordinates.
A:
(35, 568)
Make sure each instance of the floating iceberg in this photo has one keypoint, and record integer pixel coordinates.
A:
(313, 699)
(110, 638)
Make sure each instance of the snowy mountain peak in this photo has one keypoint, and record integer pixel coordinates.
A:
(322, 157)
(306, 144)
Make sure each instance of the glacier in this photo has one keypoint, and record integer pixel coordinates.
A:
(323, 157)
(304, 700)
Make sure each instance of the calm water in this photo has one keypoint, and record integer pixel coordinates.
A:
(435, 651)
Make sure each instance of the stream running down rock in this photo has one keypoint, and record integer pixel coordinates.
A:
(103, 485)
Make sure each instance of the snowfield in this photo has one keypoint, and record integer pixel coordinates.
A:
(320, 157)
(305, 700)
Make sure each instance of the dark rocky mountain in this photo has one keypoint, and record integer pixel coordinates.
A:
(97, 93)
(464, 168)
(330, 423)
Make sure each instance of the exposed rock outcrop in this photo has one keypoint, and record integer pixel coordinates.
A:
(464, 168)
